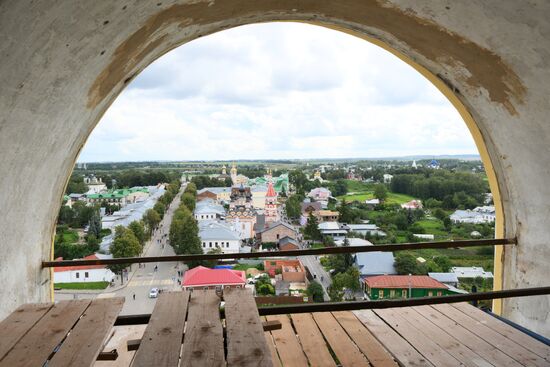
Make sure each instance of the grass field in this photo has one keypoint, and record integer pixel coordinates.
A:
(70, 236)
(433, 226)
(392, 198)
(82, 285)
(358, 186)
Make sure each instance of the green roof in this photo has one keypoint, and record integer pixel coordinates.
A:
(278, 182)
(118, 194)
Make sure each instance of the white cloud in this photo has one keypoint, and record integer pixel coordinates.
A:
(279, 90)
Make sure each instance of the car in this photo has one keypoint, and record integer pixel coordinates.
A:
(154, 293)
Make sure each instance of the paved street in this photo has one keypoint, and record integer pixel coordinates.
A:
(317, 271)
(144, 278)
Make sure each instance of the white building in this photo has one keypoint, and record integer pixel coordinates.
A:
(95, 185)
(471, 272)
(83, 273)
(366, 228)
(481, 214)
(221, 235)
(387, 178)
(208, 209)
(335, 230)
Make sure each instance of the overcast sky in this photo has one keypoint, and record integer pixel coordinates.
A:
(278, 90)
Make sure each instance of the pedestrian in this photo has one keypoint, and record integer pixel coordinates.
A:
(134, 296)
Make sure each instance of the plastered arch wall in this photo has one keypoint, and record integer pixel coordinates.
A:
(64, 62)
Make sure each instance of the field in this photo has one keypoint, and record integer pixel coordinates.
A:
(433, 226)
(82, 285)
(392, 198)
(70, 236)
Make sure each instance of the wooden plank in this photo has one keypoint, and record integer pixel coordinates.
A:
(514, 350)
(464, 336)
(401, 350)
(313, 344)
(162, 339)
(346, 351)
(18, 323)
(288, 346)
(39, 343)
(375, 352)
(417, 338)
(203, 340)
(508, 331)
(271, 345)
(88, 337)
(246, 345)
(444, 339)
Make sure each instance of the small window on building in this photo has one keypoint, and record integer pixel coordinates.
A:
(439, 293)
(87, 276)
(381, 294)
(209, 244)
(78, 275)
(277, 236)
(430, 294)
(392, 293)
(216, 244)
(404, 293)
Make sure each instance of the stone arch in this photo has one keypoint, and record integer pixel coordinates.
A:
(61, 74)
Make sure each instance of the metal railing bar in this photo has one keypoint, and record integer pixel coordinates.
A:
(368, 305)
(263, 254)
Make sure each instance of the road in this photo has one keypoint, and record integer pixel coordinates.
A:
(317, 271)
(144, 278)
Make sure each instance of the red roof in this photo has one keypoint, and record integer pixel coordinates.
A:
(58, 269)
(403, 281)
(204, 276)
(270, 190)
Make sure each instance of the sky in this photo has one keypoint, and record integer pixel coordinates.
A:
(277, 91)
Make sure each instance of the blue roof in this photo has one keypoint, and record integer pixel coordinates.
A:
(375, 263)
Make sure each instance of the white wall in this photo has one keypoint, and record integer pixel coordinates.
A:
(227, 246)
(77, 276)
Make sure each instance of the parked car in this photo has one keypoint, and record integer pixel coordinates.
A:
(154, 293)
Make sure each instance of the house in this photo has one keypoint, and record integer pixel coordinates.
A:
(219, 235)
(95, 185)
(120, 197)
(375, 263)
(220, 194)
(308, 208)
(366, 229)
(404, 286)
(334, 229)
(208, 209)
(422, 236)
(354, 242)
(288, 243)
(319, 194)
(481, 214)
(372, 203)
(327, 216)
(445, 278)
(412, 205)
(205, 278)
(276, 231)
(471, 272)
(387, 178)
(83, 273)
(290, 270)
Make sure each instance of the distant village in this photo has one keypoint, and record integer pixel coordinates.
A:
(256, 214)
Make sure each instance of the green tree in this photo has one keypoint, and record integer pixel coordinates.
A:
(160, 208)
(264, 287)
(342, 282)
(94, 226)
(151, 219)
(184, 236)
(66, 215)
(188, 200)
(439, 214)
(311, 229)
(125, 244)
(293, 207)
(315, 291)
(191, 189)
(380, 192)
(138, 229)
(405, 264)
(444, 263)
(346, 215)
